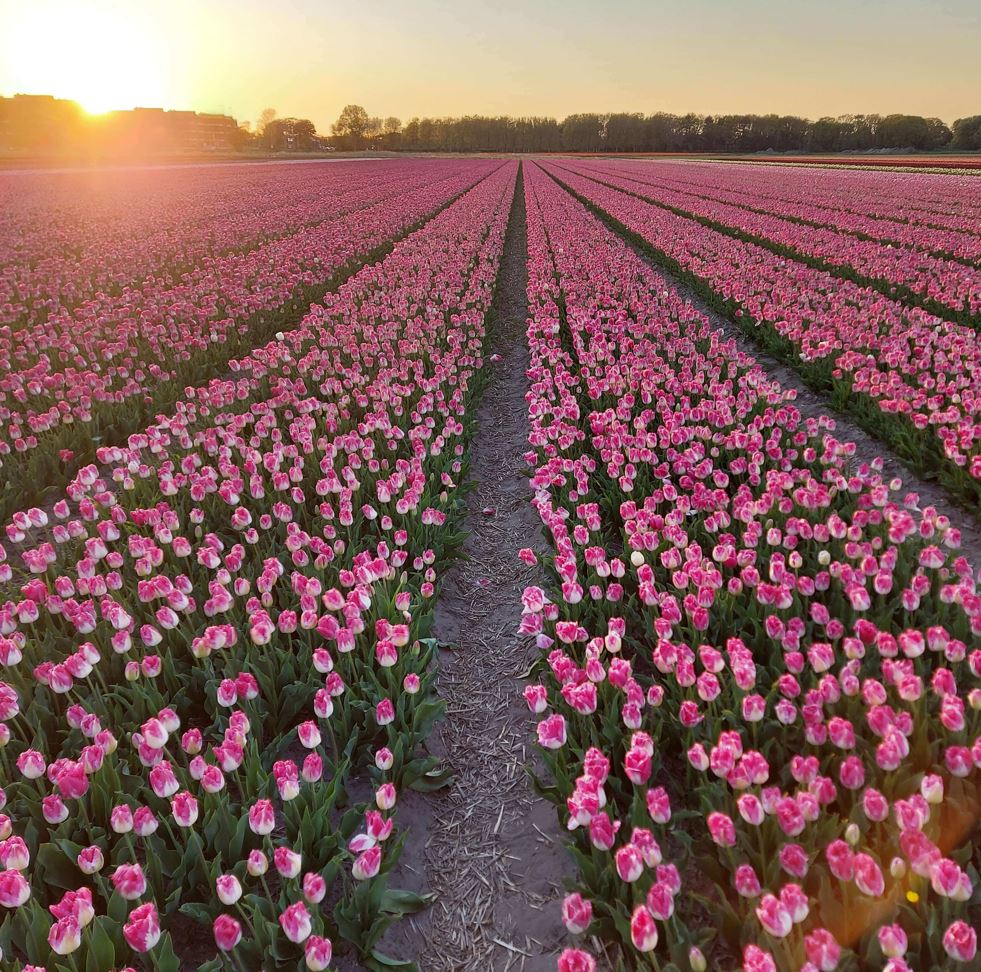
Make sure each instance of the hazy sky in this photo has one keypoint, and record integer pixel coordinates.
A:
(438, 57)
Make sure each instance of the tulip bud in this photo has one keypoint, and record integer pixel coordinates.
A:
(318, 953)
(643, 930)
(932, 788)
(90, 860)
(65, 935)
(314, 887)
(577, 913)
(257, 864)
(385, 796)
(228, 888)
(227, 931)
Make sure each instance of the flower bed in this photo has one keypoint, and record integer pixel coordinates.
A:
(94, 374)
(938, 216)
(759, 691)
(944, 287)
(71, 239)
(218, 645)
(907, 375)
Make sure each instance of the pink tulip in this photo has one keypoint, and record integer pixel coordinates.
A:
(65, 935)
(643, 930)
(576, 960)
(142, 928)
(129, 881)
(287, 862)
(961, 942)
(317, 953)
(14, 889)
(577, 913)
(757, 960)
(552, 732)
(892, 941)
(295, 922)
(774, 916)
(227, 932)
(367, 864)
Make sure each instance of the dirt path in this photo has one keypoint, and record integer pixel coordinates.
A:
(490, 843)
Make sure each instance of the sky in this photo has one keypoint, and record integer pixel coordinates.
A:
(308, 58)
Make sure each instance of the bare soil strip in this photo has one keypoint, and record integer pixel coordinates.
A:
(491, 846)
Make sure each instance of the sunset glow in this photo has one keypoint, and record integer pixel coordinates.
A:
(103, 57)
(309, 58)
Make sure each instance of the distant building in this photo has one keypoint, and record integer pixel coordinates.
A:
(40, 125)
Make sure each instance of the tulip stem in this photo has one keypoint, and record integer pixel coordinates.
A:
(240, 964)
(83, 813)
(245, 915)
(333, 743)
(265, 887)
(170, 830)
(20, 720)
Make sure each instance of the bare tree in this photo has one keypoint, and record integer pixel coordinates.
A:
(265, 117)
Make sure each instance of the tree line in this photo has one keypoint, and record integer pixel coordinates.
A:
(355, 129)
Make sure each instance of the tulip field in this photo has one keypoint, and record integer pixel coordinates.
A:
(907, 374)
(239, 407)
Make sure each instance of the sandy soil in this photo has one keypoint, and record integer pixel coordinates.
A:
(488, 846)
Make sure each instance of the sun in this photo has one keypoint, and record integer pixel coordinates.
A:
(104, 57)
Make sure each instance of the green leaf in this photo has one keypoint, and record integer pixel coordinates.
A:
(117, 908)
(395, 902)
(432, 781)
(196, 911)
(164, 957)
(102, 951)
(36, 933)
(57, 869)
(378, 960)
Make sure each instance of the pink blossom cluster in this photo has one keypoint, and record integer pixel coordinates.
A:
(912, 211)
(953, 286)
(70, 238)
(121, 346)
(907, 363)
(221, 626)
(761, 695)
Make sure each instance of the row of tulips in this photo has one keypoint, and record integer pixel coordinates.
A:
(945, 287)
(216, 666)
(946, 165)
(70, 238)
(906, 195)
(103, 369)
(841, 201)
(759, 698)
(906, 375)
